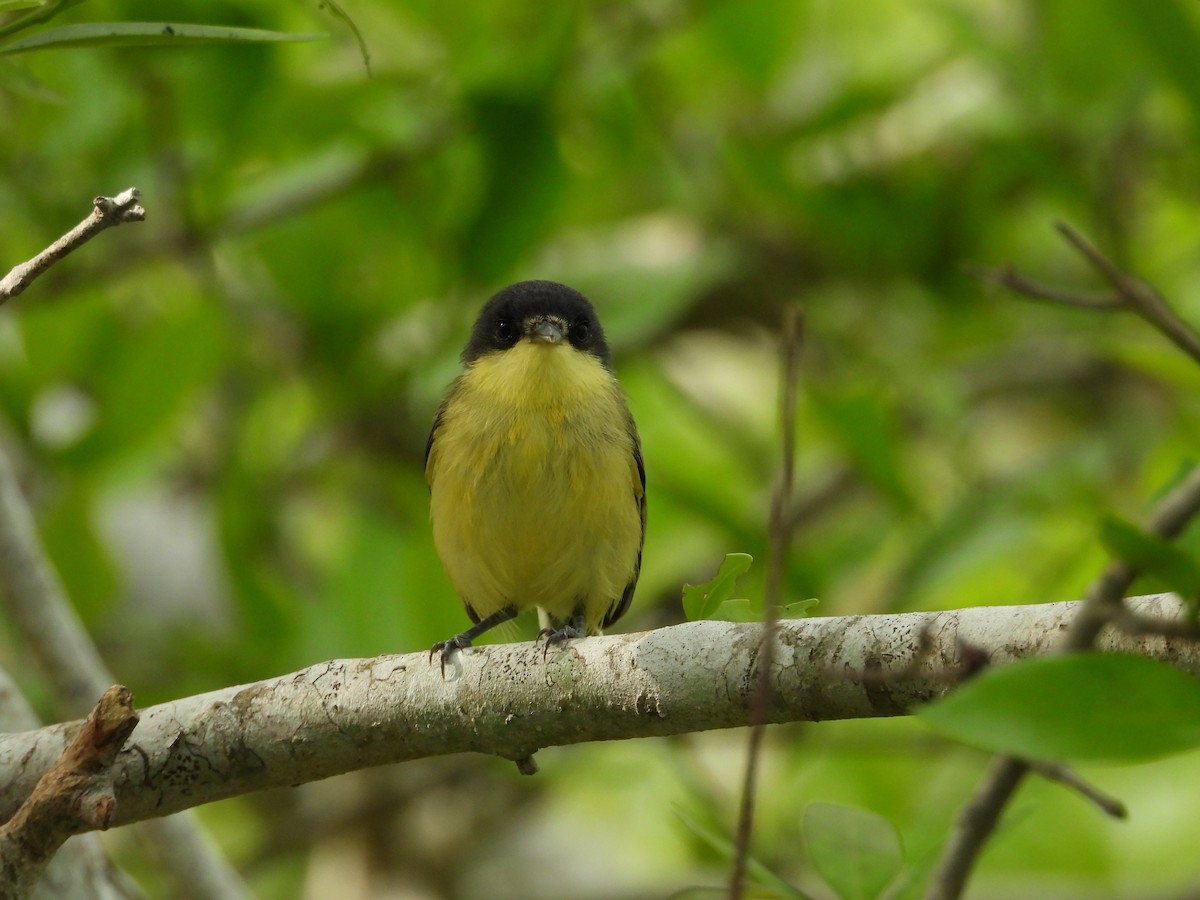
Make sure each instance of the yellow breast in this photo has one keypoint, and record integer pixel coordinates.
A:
(535, 490)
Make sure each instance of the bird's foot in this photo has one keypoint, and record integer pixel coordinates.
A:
(449, 646)
(576, 628)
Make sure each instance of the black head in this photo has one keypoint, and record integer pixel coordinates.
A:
(525, 309)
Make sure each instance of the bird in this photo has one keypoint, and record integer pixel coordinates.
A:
(535, 471)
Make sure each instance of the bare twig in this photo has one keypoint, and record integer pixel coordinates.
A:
(979, 817)
(106, 212)
(1066, 776)
(74, 796)
(1131, 294)
(1175, 629)
(1015, 281)
(781, 525)
(1138, 296)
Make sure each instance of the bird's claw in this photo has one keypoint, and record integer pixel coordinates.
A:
(559, 636)
(448, 646)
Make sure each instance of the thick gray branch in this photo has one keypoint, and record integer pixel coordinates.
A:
(80, 871)
(73, 796)
(509, 700)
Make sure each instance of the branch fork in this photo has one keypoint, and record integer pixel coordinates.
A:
(75, 795)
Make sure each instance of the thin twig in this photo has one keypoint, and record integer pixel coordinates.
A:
(1173, 629)
(106, 212)
(1132, 294)
(1022, 284)
(781, 525)
(1138, 296)
(1068, 777)
(975, 823)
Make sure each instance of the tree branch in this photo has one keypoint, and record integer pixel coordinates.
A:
(75, 795)
(509, 700)
(1010, 278)
(106, 212)
(1131, 294)
(80, 870)
(1137, 295)
(1060, 773)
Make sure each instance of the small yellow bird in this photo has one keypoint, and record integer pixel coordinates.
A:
(537, 486)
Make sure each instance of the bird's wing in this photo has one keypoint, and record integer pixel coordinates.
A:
(638, 473)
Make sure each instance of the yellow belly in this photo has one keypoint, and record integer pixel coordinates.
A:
(534, 488)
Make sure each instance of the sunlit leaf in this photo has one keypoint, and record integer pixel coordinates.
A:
(701, 601)
(738, 610)
(1079, 706)
(800, 608)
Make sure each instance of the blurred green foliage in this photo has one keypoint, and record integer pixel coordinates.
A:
(221, 412)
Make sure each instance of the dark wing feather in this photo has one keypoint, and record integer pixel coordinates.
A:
(639, 497)
(437, 423)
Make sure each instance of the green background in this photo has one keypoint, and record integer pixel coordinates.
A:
(220, 414)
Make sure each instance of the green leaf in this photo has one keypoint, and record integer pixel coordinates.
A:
(1078, 706)
(701, 601)
(856, 851)
(1151, 555)
(81, 559)
(1167, 29)
(335, 9)
(40, 12)
(723, 846)
(524, 178)
(738, 610)
(867, 431)
(800, 608)
(161, 365)
(146, 34)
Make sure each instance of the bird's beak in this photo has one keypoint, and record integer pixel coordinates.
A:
(548, 331)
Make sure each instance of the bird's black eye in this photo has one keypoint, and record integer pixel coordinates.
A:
(506, 332)
(581, 333)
